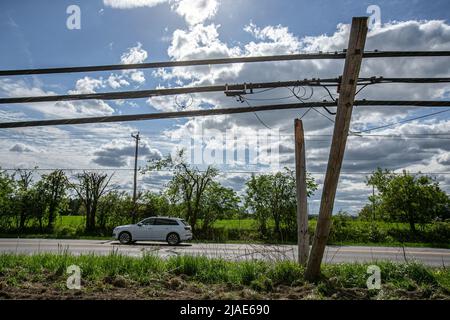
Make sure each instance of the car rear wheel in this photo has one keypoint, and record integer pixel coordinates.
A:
(125, 237)
(173, 239)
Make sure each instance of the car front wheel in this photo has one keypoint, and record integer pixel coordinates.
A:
(173, 239)
(125, 237)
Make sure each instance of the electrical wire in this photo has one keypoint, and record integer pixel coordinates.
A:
(403, 121)
(256, 115)
(329, 93)
(170, 64)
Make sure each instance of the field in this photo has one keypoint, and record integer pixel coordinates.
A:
(244, 224)
(114, 276)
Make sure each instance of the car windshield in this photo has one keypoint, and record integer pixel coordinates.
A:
(184, 222)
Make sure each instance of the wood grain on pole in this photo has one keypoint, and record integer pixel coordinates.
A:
(358, 33)
(302, 205)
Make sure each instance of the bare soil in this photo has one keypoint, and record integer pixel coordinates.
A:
(179, 288)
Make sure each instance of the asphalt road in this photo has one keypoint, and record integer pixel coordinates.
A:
(333, 254)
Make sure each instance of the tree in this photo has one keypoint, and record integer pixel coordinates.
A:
(53, 186)
(409, 198)
(38, 203)
(154, 204)
(113, 209)
(188, 184)
(218, 202)
(24, 196)
(273, 196)
(7, 187)
(90, 188)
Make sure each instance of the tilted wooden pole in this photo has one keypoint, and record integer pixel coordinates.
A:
(302, 205)
(358, 33)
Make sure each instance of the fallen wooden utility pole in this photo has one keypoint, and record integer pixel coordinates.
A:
(358, 33)
(302, 205)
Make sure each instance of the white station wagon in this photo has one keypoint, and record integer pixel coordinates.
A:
(172, 230)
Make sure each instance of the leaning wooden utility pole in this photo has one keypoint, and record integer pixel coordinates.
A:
(302, 205)
(347, 90)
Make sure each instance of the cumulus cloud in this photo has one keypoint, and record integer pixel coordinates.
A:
(193, 11)
(119, 154)
(86, 85)
(199, 41)
(444, 159)
(128, 4)
(115, 81)
(133, 55)
(363, 154)
(20, 88)
(196, 11)
(273, 40)
(20, 148)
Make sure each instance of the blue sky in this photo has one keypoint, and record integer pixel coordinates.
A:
(34, 35)
(34, 32)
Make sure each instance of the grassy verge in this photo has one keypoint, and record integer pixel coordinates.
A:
(186, 277)
(393, 244)
(52, 236)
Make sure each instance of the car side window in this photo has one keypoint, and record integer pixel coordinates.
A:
(148, 221)
(165, 222)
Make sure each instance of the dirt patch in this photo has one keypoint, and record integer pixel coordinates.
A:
(119, 287)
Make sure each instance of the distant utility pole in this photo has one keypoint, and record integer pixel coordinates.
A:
(302, 196)
(136, 138)
(373, 201)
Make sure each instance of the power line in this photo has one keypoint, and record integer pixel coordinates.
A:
(162, 115)
(170, 64)
(399, 138)
(222, 172)
(137, 94)
(404, 121)
(239, 88)
(211, 112)
(113, 136)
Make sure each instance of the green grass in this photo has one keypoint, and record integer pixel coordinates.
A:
(243, 224)
(248, 224)
(393, 244)
(261, 276)
(72, 221)
(343, 232)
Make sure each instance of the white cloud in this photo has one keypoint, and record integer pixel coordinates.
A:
(196, 11)
(20, 148)
(137, 76)
(193, 11)
(200, 42)
(134, 55)
(119, 153)
(128, 4)
(274, 39)
(115, 81)
(19, 88)
(87, 85)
